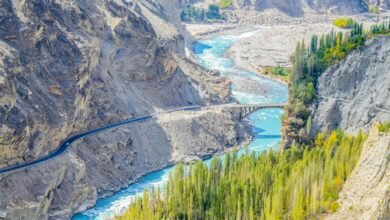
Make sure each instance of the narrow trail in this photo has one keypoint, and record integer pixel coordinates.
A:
(350, 101)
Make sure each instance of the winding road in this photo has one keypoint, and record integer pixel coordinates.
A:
(64, 146)
(350, 101)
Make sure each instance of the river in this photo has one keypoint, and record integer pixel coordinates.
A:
(246, 87)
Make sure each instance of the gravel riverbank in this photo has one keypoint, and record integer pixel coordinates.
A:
(275, 39)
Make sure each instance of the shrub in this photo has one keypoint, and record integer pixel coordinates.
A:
(225, 3)
(344, 22)
(384, 127)
(213, 12)
(373, 9)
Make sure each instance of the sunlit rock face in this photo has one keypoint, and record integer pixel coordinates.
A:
(355, 93)
(382, 4)
(68, 66)
(298, 7)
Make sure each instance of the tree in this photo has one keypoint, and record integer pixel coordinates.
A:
(297, 183)
(213, 12)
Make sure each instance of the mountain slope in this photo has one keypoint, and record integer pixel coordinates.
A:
(68, 66)
(355, 93)
(365, 194)
(298, 7)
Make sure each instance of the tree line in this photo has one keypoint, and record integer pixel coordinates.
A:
(309, 62)
(381, 29)
(191, 13)
(298, 183)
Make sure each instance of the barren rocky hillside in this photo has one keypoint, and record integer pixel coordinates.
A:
(355, 93)
(366, 194)
(298, 7)
(68, 66)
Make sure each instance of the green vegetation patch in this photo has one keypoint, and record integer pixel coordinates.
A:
(191, 13)
(225, 3)
(344, 22)
(380, 29)
(298, 183)
(278, 72)
(374, 9)
(384, 127)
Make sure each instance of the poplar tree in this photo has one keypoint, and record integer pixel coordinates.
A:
(297, 183)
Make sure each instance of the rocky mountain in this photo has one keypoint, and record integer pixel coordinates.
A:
(68, 66)
(298, 7)
(355, 94)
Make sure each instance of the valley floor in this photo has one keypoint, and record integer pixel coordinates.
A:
(274, 35)
(273, 39)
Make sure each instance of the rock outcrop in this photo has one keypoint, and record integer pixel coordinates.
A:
(381, 4)
(67, 66)
(355, 93)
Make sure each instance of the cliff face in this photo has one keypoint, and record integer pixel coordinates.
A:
(67, 66)
(172, 10)
(355, 94)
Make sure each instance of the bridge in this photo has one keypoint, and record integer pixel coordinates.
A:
(244, 110)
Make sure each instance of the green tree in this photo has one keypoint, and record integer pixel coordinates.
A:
(297, 183)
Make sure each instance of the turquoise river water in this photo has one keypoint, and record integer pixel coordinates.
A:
(246, 87)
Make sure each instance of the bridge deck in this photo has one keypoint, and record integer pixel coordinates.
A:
(267, 105)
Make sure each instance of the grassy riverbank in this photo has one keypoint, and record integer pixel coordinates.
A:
(276, 72)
